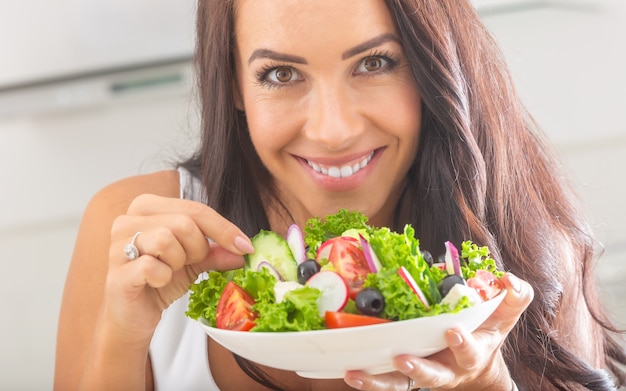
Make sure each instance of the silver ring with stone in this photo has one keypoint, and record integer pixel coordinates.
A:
(130, 250)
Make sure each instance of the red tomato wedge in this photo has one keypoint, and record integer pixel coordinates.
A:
(486, 284)
(234, 310)
(349, 261)
(323, 253)
(337, 320)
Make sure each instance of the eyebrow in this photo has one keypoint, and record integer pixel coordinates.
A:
(367, 45)
(272, 55)
(370, 44)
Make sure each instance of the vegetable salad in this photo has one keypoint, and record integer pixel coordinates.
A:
(342, 272)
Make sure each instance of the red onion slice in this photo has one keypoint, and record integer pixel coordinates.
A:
(295, 241)
(453, 264)
(370, 256)
(271, 268)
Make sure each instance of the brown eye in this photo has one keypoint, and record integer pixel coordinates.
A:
(372, 64)
(279, 76)
(375, 64)
(283, 74)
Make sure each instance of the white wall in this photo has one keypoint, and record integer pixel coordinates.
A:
(570, 65)
(569, 61)
(51, 167)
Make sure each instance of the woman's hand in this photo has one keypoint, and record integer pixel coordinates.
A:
(472, 361)
(173, 248)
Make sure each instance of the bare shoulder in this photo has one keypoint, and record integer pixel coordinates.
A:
(114, 200)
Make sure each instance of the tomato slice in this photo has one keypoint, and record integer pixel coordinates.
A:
(234, 309)
(486, 284)
(349, 261)
(337, 320)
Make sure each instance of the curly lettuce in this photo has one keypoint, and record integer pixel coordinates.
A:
(395, 250)
(297, 312)
(318, 231)
(204, 296)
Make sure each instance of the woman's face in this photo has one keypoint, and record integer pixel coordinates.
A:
(332, 108)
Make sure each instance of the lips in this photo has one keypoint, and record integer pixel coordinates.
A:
(343, 171)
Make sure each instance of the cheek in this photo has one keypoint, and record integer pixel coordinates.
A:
(401, 115)
(271, 126)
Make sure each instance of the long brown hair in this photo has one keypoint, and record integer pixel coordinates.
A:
(483, 172)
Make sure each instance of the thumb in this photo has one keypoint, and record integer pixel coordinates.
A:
(220, 259)
(519, 295)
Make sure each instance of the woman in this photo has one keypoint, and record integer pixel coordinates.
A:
(400, 109)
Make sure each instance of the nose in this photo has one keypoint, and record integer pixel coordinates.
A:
(334, 117)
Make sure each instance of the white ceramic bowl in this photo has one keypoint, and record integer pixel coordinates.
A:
(326, 354)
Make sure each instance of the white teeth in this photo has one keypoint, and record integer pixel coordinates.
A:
(346, 171)
(343, 171)
(334, 172)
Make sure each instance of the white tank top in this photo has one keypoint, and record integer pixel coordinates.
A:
(178, 350)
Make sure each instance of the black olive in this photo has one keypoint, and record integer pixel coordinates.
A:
(428, 257)
(306, 269)
(448, 282)
(370, 302)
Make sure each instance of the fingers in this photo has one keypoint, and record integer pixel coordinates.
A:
(474, 352)
(519, 295)
(210, 223)
(146, 270)
(175, 231)
(387, 381)
(472, 360)
(174, 239)
(172, 244)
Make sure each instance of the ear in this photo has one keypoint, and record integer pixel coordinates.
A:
(237, 98)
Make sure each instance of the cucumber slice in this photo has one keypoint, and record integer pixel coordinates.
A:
(272, 248)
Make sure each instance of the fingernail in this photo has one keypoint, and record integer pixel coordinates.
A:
(455, 338)
(355, 383)
(244, 245)
(516, 284)
(406, 366)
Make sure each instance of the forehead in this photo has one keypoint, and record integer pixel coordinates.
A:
(314, 24)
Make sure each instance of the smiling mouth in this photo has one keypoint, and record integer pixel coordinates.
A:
(343, 171)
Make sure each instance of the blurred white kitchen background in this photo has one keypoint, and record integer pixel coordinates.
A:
(92, 91)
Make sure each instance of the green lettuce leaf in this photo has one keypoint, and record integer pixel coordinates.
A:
(317, 230)
(297, 312)
(395, 250)
(258, 284)
(205, 295)
(477, 258)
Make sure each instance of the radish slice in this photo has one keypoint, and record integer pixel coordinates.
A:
(271, 268)
(370, 256)
(295, 240)
(323, 252)
(334, 291)
(453, 265)
(408, 278)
